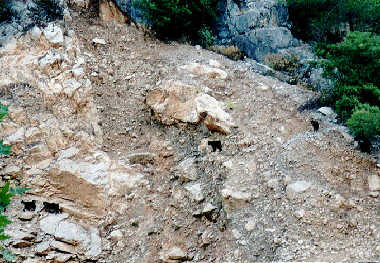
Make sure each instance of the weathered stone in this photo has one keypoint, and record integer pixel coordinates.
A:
(296, 188)
(42, 248)
(173, 254)
(53, 33)
(186, 170)
(116, 235)
(174, 102)
(50, 223)
(99, 41)
(214, 73)
(250, 225)
(35, 33)
(108, 12)
(18, 136)
(63, 247)
(61, 258)
(327, 111)
(195, 191)
(71, 233)
(33, 135)
(237, 195)
(17, 114)
(374, 182)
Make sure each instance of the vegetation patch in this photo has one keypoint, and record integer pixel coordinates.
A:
(232, 52)
(190, 20)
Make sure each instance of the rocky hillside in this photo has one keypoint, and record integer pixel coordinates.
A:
(115, 133)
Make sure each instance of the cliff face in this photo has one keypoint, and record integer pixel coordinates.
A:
(256, 27)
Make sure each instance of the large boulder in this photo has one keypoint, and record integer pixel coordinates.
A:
(175, 102)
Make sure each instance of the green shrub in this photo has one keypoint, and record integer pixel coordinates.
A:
(4, 149)
(365, 121)
(330, 20)
(174, 19)
(205, 37)
(354, 61)
(6, 193)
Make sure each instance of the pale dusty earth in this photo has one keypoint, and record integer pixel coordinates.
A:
(335, 219)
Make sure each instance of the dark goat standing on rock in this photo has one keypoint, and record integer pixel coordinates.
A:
(315, 125)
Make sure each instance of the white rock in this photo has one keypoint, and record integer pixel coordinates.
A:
(236, 234)
(71, 233)
(35, 33)
(296, 188)
(186, 170)
(53, 33)
(70, 86)
(51, 57)
(250, 225)
(196, 191)
(116, 235)
(374, 182)
(18, 136)
(61, 246)
(205, 70)
(42, 248)
(237, 195)
(273, 183)
(208, 208)
(327, 111)
(50, 223)
(299, 213)
(99, 41)
(94, 248)
(176, 253)
(214, 63)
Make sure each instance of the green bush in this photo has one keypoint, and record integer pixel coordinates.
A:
(174, 19)
(205, 37)
(330, 20)
(356, 60)
(365, 121)
(4, 149)
(6, 193)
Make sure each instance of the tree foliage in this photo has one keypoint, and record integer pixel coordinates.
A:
(329, 20)
(174, 19)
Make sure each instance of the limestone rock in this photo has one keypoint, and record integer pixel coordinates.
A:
(62, 246)
(296, 188)
(116, 235)
(211, 72)
(234, 194)
(53, 33)
(35, 33)
(177, 102)
(18, 136)
(186, 170)
(327, 111)
(195, 191)
(374, 182)
(173, 254)
(99, 41)
(108, 12)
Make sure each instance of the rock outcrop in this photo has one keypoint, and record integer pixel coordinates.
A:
(256, 27)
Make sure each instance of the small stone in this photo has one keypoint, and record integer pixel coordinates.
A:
(63, 247)
(296, 188)
(35, 33)
(116, 235)
(99, 41)
(176, 253)
(236, 234)
(208, 208)
(61, 258)
(198, 47)
(373, 194)
(195, 191)
(299, 213)
(53, 33)
(250, 225)
(374, 182)
(273, 183)
(214, 63)
(42, 248)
